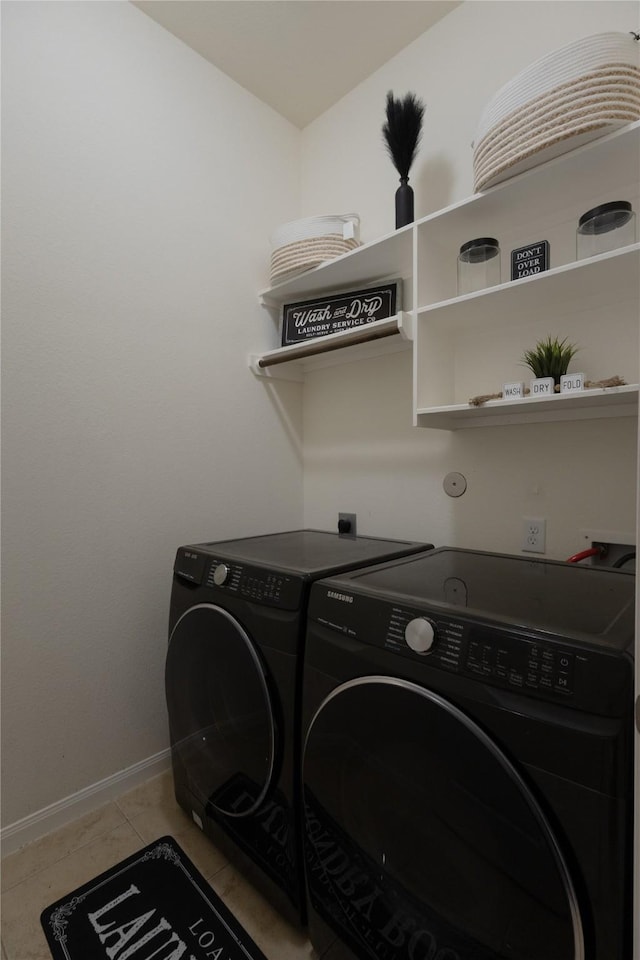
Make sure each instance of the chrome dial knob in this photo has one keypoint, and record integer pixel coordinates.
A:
(420, 635)
(220, 574)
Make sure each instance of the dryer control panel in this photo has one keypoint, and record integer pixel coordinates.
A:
(239, 579)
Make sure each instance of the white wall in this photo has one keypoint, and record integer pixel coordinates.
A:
(360, 452)
(135, 236)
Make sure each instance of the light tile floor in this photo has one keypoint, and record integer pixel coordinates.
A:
(53, 866)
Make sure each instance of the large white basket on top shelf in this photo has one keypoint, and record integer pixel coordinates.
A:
(576, 94)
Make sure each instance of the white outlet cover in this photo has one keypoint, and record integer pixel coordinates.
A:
(534, 534)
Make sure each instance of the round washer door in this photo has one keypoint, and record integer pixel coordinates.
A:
(220, 711)
(422, 840)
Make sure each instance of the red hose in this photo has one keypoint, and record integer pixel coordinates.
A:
(591, 552)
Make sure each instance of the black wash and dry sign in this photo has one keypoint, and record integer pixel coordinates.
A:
(308, 319)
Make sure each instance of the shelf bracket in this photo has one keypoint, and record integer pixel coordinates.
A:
(280, 372)
(405, 325)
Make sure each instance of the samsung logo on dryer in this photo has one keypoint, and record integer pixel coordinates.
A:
(344, 597)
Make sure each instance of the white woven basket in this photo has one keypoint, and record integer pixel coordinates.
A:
(304, 244)
(576, 94)
(347, 225)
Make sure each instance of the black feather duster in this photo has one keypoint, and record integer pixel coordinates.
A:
(402, 130)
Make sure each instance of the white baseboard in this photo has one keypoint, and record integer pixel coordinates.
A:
(37, 824)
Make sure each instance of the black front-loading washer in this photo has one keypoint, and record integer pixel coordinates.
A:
(233, 673)
(467, 760)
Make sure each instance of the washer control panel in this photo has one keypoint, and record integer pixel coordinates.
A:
(420, 635)
(437, 640)
(493, 655)
(571, 670)
(520, 663)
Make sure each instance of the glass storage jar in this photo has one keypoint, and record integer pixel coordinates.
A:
(605, 228)
(478, 265)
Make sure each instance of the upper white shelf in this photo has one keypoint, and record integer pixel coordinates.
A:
(389, 256)
(544, 203)
(604, 279)
(558, 183)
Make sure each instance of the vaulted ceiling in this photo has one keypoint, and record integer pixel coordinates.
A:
(299, 56)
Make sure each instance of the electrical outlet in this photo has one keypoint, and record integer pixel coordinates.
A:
(534, 533)
(347, 525)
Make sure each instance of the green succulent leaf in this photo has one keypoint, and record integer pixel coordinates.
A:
(550, 358)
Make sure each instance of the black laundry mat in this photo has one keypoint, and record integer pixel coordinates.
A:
(155, 905)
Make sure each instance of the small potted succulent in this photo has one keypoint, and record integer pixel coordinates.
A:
(550, 358)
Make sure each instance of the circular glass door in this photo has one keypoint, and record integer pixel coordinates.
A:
(422, 840)
(220, 711)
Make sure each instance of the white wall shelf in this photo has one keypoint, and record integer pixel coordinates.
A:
(600, 280)
(543, 203)
(372, 339)
(611, 402)
(388, 257)
(470, 345)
